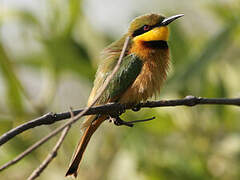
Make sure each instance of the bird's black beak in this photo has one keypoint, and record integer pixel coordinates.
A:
(168, 20)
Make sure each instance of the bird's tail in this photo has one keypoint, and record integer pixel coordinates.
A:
(73, 168)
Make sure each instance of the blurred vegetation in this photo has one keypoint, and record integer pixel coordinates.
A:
(47, 63)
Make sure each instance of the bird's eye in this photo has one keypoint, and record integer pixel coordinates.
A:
(146, 27)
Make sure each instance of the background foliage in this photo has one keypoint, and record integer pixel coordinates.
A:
(49, 51)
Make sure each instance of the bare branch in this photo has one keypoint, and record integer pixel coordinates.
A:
(73, 120)
(51, 118)
(114, 107)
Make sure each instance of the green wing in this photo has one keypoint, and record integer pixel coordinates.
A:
(129, 70)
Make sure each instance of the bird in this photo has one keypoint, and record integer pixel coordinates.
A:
(141, 74)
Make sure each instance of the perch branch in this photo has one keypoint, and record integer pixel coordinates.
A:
(51, 118)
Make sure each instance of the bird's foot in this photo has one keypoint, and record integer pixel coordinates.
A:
(120, 111)
(114, 116)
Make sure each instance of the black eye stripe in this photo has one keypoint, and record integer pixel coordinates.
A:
(142, 30)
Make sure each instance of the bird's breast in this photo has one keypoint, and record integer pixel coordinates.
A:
(153, 74)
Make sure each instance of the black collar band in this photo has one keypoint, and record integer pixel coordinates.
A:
(156, 44)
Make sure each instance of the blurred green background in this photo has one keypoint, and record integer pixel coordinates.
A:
(49, 52)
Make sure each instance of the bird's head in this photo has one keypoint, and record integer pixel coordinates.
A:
(150, 28)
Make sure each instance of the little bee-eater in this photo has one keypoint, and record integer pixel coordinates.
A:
(141, 74)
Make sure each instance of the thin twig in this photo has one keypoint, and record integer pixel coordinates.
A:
(51, 118)
(51, 155)
(73, 120)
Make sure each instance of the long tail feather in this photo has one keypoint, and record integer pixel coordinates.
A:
(73, 169)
